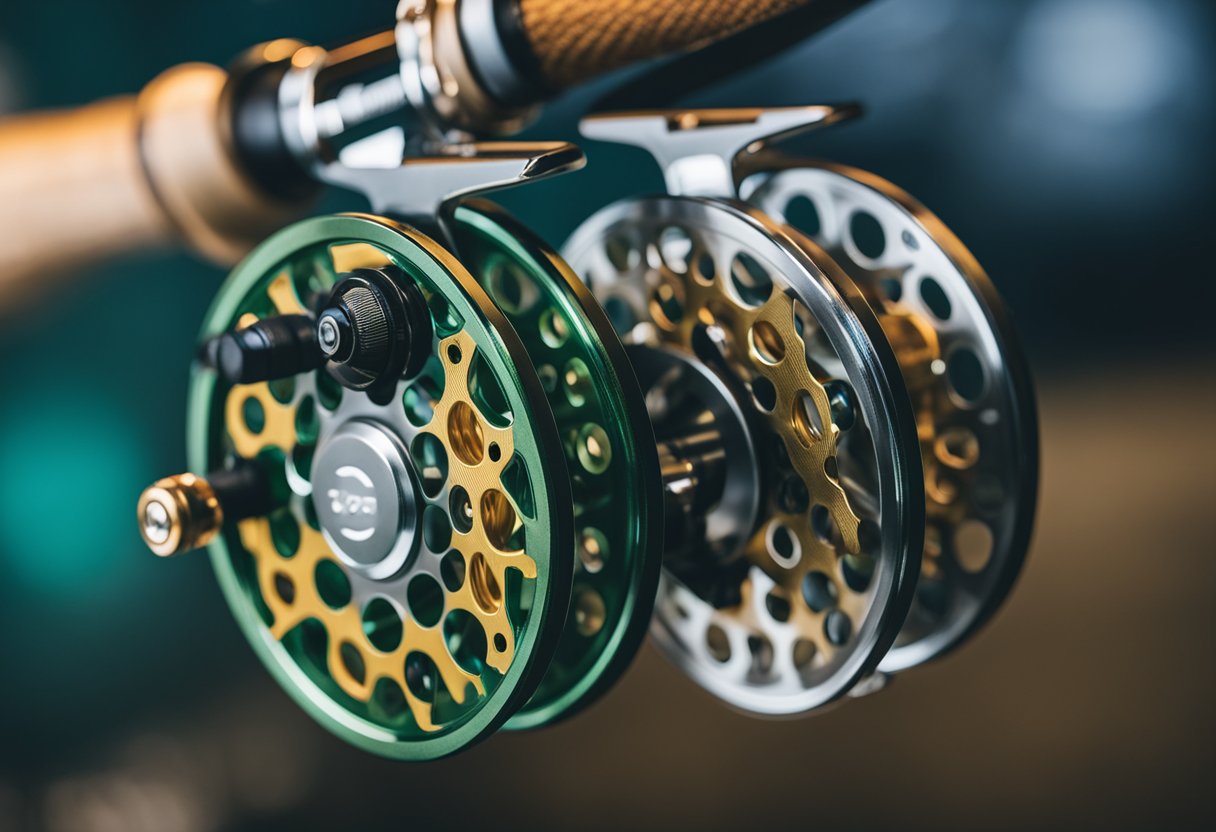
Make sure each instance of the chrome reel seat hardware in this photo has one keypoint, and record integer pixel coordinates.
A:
(813, 594)
(969, 381)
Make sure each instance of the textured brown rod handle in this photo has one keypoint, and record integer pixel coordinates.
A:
(123, 175)
(574, 40)
(71, 191)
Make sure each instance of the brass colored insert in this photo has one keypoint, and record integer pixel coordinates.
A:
(279, 420)
(467, 438)
(767, 347)
(943, 452)
(178, 514)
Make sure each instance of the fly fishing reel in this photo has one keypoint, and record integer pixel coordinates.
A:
(447, 483)
(886, 398)
(422, 455)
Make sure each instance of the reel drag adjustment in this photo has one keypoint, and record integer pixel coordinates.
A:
(185, 512)
(842, 390)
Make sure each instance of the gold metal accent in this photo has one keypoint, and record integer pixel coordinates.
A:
(948, 432)
(947, 449)
(495, 518)
(351, 256)
(467, 438)
(178, 514)
(283, 294)
(943, 451)
(765, 343)
(278, 420)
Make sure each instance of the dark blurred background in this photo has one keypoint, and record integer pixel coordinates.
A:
(1070, 145)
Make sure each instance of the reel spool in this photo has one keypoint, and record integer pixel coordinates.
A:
(410, 592)
(609, 449)
(845, 403)
(804, 597)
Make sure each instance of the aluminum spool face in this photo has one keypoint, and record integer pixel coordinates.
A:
(819, 588)
(609, 448)
(411, 591)
(965, 370)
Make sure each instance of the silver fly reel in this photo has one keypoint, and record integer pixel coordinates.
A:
(866, 424)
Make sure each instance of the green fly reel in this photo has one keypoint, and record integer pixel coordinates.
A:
(449, 490)
(434, 502)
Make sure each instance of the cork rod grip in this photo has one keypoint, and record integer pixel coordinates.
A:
(123, 175)
(574, 40)
(72, 191)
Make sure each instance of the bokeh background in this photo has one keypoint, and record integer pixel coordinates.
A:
(1068, 142)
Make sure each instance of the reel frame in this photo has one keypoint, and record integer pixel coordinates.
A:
(600, 412)
(725, 153)
(486, 332)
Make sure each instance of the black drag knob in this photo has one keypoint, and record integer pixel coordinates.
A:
(355, 332)
(374, 329)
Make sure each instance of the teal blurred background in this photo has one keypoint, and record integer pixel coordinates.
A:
(1067, 142)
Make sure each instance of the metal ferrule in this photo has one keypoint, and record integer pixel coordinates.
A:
(430, 43)
(412, 85)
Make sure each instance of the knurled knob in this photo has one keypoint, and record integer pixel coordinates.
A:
(354, 332)
(179, 513)
(374, 328)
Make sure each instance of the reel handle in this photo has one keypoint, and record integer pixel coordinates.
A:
(126, 174)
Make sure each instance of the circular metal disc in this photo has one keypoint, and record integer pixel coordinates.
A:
(610, 452)
(969, 381)
(826, 570)
(365, 498)
(416, 649)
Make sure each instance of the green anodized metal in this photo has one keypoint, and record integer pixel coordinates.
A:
(609, 446)
(289, 269)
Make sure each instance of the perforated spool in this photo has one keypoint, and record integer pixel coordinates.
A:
(328, 632)
(662, 286)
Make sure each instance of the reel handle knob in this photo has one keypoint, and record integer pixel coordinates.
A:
(269, 349)
(185, 512)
